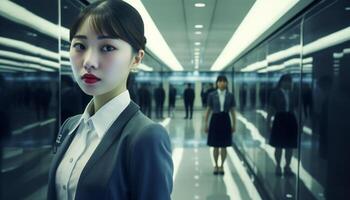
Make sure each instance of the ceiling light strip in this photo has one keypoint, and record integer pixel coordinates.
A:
(155, 41)
(19, 14)
(23, 57)
(251, 28)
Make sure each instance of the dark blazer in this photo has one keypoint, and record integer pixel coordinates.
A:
(278, 101)
(189, 95)
(214, 102)
(133, 160)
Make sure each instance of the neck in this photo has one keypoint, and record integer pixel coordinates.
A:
(101, 100)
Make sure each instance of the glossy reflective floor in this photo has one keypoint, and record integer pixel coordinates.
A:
(193, 163)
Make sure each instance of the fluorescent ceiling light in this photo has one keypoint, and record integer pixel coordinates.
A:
(155, 41)
(64, 54)
(26, 65)
(16, 69)
(21, 15)
(255, 66)
(333, 39)
(196, 53)
(198, 32)
(22, 57)
(197, 43)
(327, 41)
(144, 67)
(199, 5)
(198, 26)
(28, 48)
(252, 27)
(66, 63)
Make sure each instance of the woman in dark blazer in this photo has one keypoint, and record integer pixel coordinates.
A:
(112, 150)
(284, 129)
(220, 103)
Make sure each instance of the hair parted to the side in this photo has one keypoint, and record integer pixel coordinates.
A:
(284, 78)
(220, 78)
(115, 18)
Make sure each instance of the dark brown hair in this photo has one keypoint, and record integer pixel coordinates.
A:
(284, 78)
(115, 18)
(221, 78)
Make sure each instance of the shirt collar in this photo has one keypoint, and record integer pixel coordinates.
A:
(222, 91)
(107, 114)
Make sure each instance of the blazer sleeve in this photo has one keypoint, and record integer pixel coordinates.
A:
(210, 100)
(151, 166)
(233, 101)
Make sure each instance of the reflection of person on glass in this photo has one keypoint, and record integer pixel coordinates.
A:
(220, 102)
(284, 131)
(111, 151)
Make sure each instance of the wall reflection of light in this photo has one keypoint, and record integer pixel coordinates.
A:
(330, 40)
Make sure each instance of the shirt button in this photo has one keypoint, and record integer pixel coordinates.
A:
(64, 187)
(71, 160)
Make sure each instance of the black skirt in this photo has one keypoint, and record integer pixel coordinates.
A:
(220, 134)
(284, 132)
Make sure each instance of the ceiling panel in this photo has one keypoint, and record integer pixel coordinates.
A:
(176, 19)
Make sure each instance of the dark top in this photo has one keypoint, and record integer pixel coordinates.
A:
(132, 162)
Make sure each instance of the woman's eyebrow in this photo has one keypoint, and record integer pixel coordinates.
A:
(101, 37)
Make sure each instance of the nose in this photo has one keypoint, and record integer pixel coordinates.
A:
(91, 60)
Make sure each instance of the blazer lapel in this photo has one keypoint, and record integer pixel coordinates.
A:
(111, 135)
(57, 159)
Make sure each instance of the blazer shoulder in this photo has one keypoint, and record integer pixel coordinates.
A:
(142, 129)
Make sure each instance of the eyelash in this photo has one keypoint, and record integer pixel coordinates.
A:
(105, 48)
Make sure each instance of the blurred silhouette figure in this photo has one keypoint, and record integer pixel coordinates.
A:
(284, 131)
(159, 97)
(5, 121)
(172, 100)
(243, 96)
(338, 137)
(209, 90)
(132, 87)
(189, 100)
(145, 99)
(320, 112)
(252, 96)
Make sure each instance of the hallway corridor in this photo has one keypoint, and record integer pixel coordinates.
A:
(193, 165)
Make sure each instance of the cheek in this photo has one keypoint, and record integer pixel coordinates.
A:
(113, 64)
(75, 60)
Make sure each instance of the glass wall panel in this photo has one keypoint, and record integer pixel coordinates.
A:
(29, 79)
(304, 114)
(324, 161)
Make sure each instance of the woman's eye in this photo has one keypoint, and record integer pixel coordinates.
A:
(108, 48)
(78, 46)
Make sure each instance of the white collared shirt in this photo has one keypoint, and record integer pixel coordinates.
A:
(287, 99)
(89, 135)
(221, 99)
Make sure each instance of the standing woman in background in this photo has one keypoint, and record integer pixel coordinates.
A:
(220, 102)
(111, 151)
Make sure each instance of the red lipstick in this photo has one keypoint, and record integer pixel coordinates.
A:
(90, 78)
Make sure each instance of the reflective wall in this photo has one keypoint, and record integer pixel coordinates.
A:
(314, 51)
(29, 89)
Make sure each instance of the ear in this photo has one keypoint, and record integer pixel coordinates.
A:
(138, 58)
